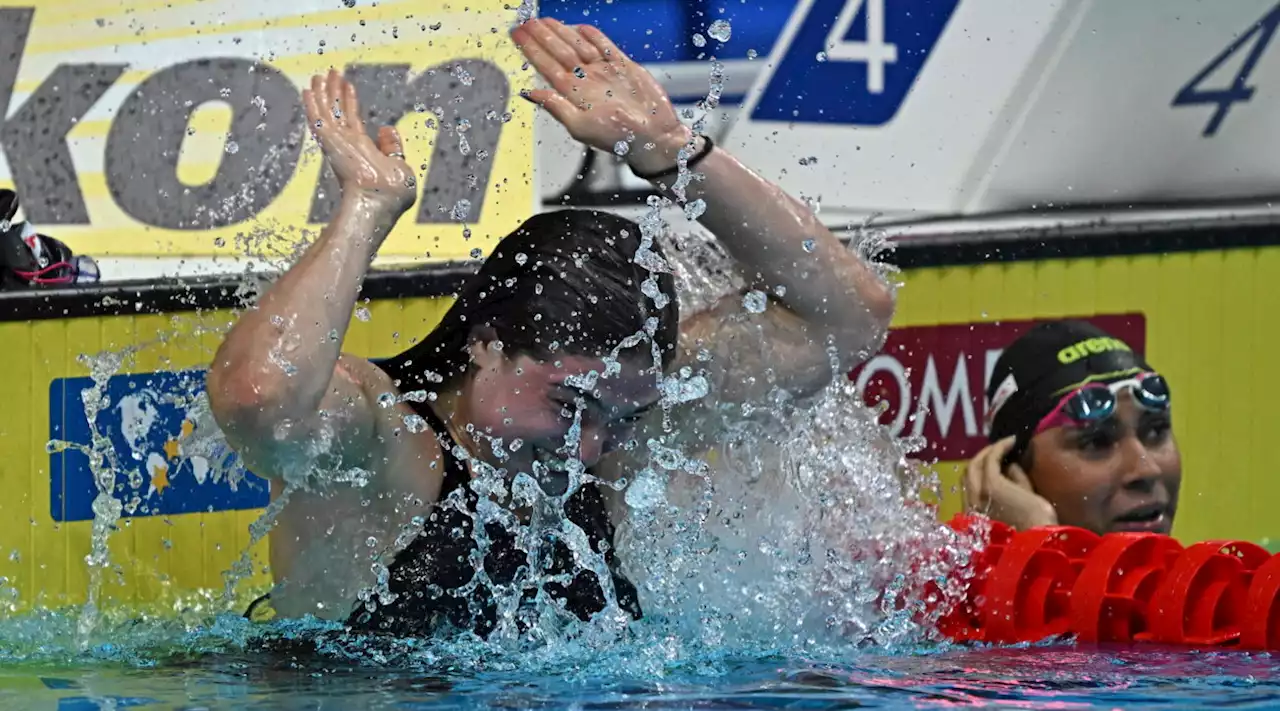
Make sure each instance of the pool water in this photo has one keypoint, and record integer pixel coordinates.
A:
(1029, 678)
(162, 665)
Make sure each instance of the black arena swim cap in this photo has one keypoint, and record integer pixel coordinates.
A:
(1036, 370)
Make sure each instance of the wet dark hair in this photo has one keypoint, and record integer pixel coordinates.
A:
(563, 282)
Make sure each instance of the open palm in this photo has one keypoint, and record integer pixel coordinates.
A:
(377, 170)
(598, 94)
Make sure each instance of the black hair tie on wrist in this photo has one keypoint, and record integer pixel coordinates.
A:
(707, 146)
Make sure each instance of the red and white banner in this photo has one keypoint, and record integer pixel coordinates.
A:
(934, 378)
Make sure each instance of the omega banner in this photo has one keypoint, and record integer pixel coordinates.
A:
(177, 128)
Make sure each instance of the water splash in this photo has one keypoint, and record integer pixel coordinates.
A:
(103, 464)
(800, 502)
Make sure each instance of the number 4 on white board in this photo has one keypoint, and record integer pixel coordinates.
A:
(874, 51)
(1258, 37)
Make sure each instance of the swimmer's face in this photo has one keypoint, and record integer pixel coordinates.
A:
(535, 401)
(1120, 474)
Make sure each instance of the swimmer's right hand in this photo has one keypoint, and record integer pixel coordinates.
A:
(377, 172)
(1004, 495)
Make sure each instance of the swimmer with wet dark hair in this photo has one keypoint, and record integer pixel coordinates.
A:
(1082, 435)
(544, 365)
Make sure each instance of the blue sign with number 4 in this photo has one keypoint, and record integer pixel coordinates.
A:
(853, 61)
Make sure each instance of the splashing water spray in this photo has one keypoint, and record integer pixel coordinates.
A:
(803, 527)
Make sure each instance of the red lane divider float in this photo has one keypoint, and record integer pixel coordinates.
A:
(1122, 587)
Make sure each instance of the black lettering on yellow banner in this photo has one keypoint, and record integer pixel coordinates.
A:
(267, 133)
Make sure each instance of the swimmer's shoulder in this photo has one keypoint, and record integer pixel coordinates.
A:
(403, 460)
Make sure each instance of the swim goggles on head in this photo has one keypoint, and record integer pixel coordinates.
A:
(1094, 402)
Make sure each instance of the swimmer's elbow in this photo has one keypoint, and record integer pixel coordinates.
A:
(241, 404)
(860, 338)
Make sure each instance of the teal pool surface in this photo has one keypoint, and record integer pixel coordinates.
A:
(1034, 677)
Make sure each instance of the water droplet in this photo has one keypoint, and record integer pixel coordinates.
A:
(371, 542)
(646, 492)
(415, 423)
(695, 209)
(821, 57)
(755, 302)
(362, 313)
(349, 3)
(219, 242)
(461, 209)
(521, 258)
(191, 131)
(232, 147)
(649, 287)
(810, 245)
(386, 400)
(414, 396)
(720, 30)
(577, 72)
(475, 253)
(751, 54)
(699, 40)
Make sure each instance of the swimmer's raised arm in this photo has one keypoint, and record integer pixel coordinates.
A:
(279, 379)
(822, 292)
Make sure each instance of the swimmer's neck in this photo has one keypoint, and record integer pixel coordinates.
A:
(450, 406)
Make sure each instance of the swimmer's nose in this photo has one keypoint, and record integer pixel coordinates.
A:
(1140, 470)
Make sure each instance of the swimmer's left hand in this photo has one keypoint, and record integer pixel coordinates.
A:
(599, 95)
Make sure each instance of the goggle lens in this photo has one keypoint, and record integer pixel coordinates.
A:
(1096, 402)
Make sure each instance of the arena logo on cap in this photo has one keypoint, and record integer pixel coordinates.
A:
(1088, 347)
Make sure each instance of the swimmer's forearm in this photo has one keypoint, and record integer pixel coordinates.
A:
(780, 242)
(279, 358)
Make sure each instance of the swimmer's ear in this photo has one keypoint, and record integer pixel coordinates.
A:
(481, 345)
(481, 334)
